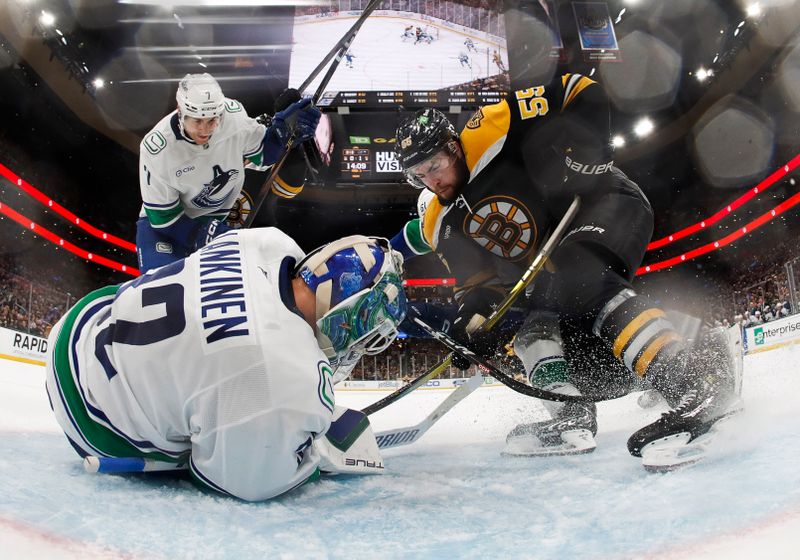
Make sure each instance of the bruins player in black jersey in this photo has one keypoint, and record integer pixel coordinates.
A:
(491, 195)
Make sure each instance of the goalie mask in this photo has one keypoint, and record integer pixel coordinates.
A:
(199, 96)
(359, 295)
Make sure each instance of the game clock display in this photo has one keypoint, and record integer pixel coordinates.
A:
(356, 162)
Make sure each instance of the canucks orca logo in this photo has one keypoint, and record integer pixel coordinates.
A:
(206, 197)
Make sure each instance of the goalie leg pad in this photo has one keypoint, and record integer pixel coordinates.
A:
(349, 446)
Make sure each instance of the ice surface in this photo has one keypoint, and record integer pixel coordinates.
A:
(451, 495)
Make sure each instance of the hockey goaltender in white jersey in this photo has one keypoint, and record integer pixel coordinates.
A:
(219, 361)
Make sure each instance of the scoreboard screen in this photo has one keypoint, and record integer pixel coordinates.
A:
(376, 163)
(362, 146)
(412, 99)
(356, 162)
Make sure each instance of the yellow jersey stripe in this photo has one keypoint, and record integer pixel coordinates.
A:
(284, 189)
(655, 347)
(627, 333)
(432, 217)
(280, 184)
(493, 123)
(573, 86)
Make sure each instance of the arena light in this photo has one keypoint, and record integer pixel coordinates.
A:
(47, 19)
(727, 240)
(28, 224)
(728, 209)
(753, 10)
(643, 128)
(43, 199)
(98, 83)
(618, 141)
(702, 74)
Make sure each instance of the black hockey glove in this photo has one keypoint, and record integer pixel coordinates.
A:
(475, 307)
(207, 232)
(286, 98)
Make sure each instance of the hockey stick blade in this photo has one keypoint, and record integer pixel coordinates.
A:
(410, 434)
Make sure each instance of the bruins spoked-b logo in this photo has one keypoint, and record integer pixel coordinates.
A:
(240, 211)
(475, 120)
(502, 225)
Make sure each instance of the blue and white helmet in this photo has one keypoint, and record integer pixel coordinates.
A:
(360, 300)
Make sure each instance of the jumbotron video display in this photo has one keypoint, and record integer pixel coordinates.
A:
(410, 53)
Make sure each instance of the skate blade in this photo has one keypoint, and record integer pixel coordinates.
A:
(575, 442)
(676, 451)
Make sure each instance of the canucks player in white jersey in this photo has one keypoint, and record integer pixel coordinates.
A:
(191, 165)
(225, 360)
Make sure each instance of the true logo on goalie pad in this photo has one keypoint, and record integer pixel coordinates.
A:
(362, 463)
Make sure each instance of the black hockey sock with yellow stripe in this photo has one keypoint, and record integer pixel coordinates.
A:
(643, 338)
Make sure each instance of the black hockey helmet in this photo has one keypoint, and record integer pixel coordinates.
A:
(422, 135)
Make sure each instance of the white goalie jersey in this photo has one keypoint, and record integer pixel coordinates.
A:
(202, 361)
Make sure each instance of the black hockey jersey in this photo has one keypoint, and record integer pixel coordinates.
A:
(527, 156)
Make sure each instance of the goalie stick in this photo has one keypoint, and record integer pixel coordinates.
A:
(533, 270)
(410, 434)
(336, 52)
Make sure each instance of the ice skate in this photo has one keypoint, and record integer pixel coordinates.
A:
(571, 432)
(682, 435)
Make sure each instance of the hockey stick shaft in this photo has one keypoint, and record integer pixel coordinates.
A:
(110, 465)
(337, 51)
(410, 434)
(266, 186)
(343, 44)
(495, 372)
(535, 267)
(406, 389)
